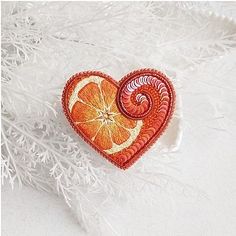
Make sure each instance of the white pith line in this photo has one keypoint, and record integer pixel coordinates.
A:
(109, 131)
(122, 126)
(90, 105)
(87, 121)
(111, 104)
(103, 100)
(93, 138)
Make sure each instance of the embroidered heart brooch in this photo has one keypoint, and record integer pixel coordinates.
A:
(120, 120)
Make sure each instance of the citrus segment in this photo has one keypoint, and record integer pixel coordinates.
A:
(118, 134)
(89, 128)
(122, 120)
(103, 139)
(113, 107)
(91, 95)
(108, 92)
(82, 112)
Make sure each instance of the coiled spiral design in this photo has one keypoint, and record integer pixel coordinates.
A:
(149, 96)
(147, 91)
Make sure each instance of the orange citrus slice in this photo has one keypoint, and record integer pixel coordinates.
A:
(93, 110)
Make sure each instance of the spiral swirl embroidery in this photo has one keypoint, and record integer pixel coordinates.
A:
(147, 95)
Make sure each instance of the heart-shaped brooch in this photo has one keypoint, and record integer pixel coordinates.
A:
(120, 120)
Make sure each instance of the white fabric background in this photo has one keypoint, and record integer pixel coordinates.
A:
(205, 161)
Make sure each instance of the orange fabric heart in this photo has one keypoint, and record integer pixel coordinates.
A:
(121, 120)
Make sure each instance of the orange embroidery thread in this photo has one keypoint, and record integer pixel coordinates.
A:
(120, 120)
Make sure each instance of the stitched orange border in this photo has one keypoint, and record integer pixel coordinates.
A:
(119, 84)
